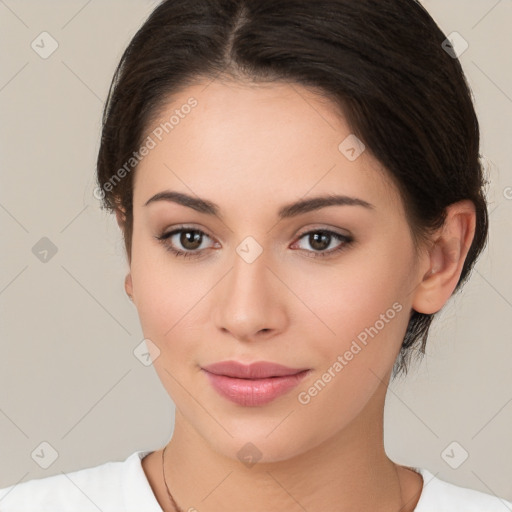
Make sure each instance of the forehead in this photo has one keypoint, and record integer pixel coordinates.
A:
(252, 143)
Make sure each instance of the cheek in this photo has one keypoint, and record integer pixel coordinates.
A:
(364, 306)
(166, 303)
(164, 290)
(368, 313)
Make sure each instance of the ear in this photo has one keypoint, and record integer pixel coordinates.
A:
(446, 258)
(121, 217)
(121, 222)
(128, 285)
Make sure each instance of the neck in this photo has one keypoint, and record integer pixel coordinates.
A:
(349, 471)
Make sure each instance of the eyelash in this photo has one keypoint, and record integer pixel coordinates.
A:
(347, 240)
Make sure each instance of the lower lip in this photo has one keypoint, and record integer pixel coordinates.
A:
(254, 392)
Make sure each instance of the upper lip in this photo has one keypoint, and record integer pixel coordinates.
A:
(257, 370)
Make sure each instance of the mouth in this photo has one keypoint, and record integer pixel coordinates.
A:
(255, 384)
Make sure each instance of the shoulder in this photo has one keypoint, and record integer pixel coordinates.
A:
(441, 496)
(106, 487)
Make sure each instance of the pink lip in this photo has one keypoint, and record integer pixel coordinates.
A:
(255, 384)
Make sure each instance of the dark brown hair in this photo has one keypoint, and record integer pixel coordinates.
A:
(381, 61)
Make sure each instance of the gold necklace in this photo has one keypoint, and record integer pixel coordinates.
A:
(178, 509)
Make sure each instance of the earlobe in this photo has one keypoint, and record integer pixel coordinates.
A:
(446, 259)
(120, 217)
(128, 285)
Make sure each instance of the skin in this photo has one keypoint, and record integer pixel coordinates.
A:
(251, 149)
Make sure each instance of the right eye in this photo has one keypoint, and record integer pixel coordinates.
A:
(190, 239)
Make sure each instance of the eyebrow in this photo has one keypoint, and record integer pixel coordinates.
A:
(290, 210)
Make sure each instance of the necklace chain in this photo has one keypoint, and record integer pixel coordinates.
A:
(178, 509)
(165, 482)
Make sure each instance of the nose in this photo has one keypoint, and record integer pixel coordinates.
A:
(250, 303)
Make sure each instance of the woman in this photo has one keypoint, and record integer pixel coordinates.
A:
(299, 189)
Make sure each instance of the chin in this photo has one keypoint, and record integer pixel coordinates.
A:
(261, 442)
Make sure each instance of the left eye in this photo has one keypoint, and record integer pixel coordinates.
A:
(191, 240)
(320, 240)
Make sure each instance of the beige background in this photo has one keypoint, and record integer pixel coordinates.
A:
(68, 375)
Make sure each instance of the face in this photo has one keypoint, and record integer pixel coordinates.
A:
(328, 290)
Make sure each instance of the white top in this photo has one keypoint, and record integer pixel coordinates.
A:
(123, 487)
